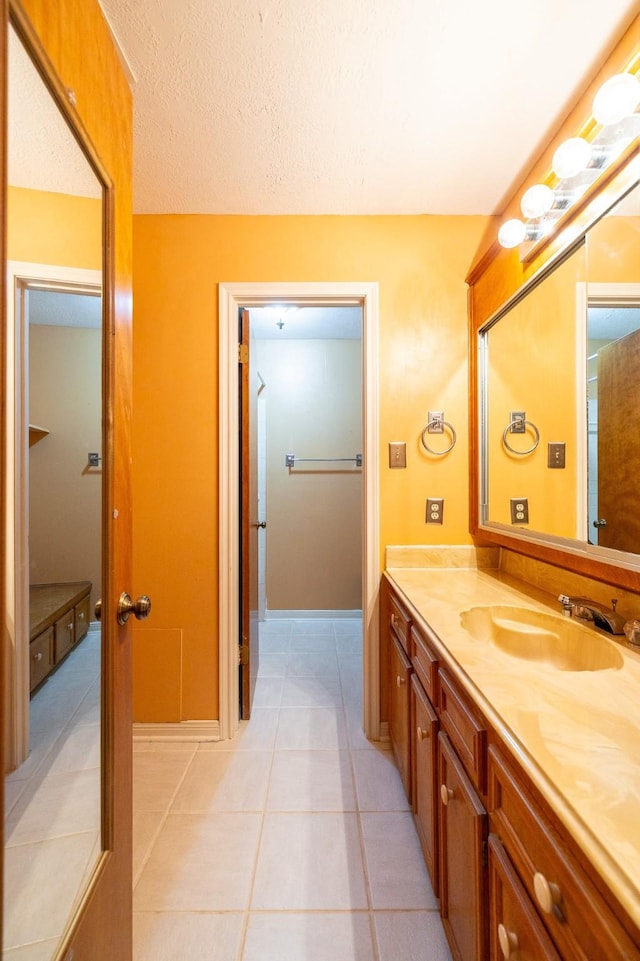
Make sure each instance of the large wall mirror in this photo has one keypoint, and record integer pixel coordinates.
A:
(53, 697)
(559, 395)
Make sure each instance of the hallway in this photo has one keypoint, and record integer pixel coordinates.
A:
(294, 842)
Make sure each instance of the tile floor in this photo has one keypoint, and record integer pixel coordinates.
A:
(52, 807)
(294, 841)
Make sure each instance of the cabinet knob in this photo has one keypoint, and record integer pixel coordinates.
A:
(394, 620)
(547, 893)
(70, 626)
(81, 615)
(38, 656)
(422, 735)
(400, 680)
(508, 941)
(446, 793)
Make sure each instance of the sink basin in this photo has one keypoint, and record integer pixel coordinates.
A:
(537, 636)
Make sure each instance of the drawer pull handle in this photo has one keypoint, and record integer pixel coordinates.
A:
(38, 656)
(394, 620)
(400, 680)
(81, 615)
(508, 941)
(547, 893)
(446, 793)
(422, 735)
(70, 626)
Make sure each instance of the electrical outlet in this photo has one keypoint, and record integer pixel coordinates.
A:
(435, 510)
(519, 510)
(397, 453)
(556, 454)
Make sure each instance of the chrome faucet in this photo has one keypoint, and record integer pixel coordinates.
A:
(585, 609)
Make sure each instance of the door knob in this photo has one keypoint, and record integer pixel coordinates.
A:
(601, 522)
(262, 524)
(140, 608)
(98, 610)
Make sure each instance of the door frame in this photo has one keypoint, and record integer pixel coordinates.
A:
(231, 298)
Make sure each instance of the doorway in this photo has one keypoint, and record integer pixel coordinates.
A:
(233, 297)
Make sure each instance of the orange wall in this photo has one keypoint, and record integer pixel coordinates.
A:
(53, 228)
(419, 263)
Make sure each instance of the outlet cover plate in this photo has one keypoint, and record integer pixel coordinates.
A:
(435, 510)
(519, 510)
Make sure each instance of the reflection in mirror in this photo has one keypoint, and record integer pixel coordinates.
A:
(565, 352)
(531, 370)
(613, 377)
(53, 696)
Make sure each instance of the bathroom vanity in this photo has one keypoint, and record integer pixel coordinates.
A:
(523, 770)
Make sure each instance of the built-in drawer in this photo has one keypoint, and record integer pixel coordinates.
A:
(582, 925)
(425, 662)
(82, 619)
(400, 622)
(64, 635)
(40, 657)
(465, 728)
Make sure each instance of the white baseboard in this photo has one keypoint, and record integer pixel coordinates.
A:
(178, 731)
(301, 615)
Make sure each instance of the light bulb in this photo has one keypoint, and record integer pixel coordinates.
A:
(616, 99)
(536, 201)
(571, 157)
(512, 233)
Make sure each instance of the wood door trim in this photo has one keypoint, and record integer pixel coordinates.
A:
(231, 297)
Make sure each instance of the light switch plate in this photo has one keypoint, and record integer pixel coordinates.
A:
(397, 453)
(556, 454)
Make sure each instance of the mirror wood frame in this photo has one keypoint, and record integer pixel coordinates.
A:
(100, 117)
(496, 277)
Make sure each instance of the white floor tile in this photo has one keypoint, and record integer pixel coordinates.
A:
(378, 784)
(411, 936)
(186, 936)
(268, 692)
(311, 781)
(39, 951)
(309, 937)
(200, 862)
(322, 869)
(272, 665)
(157, 776)
(257, 734)
(55, 806)
(146, 825)
(312, 643)
(311, 729)
(397, 874)
(312, 664)
(311, 692)
(225, 781)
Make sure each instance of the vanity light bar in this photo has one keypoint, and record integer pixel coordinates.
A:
(578, 162)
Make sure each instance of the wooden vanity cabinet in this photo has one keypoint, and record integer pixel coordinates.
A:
(424, 758)
(60, 617)
(399, 695)
(515, 930)
(577, 918)
(463, 835)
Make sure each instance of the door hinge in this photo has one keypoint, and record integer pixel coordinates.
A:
(243, 353)
(243, 654)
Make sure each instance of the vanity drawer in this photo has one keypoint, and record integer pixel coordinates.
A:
(399, 621)
(583, 926)
(425, 663)
(515, 930)
(40, 657)
(465, 728)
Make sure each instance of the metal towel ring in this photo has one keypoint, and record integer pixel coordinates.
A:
(436, 422)
(518, 421)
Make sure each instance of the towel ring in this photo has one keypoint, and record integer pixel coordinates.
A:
(436, 422)
(518, 421)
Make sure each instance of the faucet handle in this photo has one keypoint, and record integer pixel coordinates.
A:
(632, 631)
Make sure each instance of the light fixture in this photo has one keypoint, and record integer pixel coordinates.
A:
(616, 99)
(514, 232)
(536, 201)
(571, 158)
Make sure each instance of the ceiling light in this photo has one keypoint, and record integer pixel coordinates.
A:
(616, 99)
(571, 157)
(537, 201)
(512, 233)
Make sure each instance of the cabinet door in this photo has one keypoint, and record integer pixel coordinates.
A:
(40, 657)
(64, 635)
(425, 776)
(515, 930)
(463, 833)
(82, 618)
(399, 713)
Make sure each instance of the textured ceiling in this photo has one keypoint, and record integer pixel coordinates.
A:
(350, 106)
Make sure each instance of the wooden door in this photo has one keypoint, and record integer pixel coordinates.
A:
(58, 36)
(619, 444)
(249, 520)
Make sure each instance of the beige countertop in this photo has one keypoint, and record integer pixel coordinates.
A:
(576, 733)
